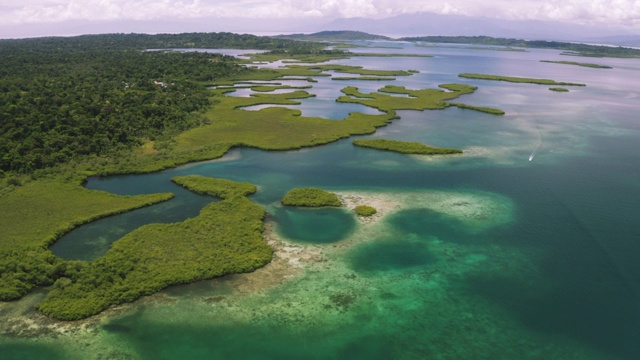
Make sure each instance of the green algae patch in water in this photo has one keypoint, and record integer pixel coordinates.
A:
(315, 226)
(147, 338)
(390, 255)
(27, 350)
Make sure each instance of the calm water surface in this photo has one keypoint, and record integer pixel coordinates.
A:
(530, 260)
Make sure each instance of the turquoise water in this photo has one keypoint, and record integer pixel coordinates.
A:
(317, 226)
(480, 256)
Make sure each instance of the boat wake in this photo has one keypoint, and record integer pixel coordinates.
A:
(533, 154)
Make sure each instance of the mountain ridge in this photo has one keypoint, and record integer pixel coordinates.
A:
(427, 24)
(570, 48)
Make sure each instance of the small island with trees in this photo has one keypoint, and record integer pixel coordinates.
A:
(589, 65)
(515, 79)
(365, 210)
(405, 147)
(311, 197)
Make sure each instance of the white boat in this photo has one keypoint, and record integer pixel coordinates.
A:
(531, 156)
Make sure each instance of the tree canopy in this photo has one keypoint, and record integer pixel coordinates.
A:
(61, 98)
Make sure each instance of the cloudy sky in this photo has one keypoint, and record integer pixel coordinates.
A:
(26, 16)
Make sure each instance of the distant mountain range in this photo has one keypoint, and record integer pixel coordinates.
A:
(338, 35)
(429, 24)
(420, 24)
(570, 48)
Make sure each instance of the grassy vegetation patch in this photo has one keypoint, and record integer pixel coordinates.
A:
(270, 88)
(595, 66)
(277, 128)
(225, 238)
(266, 98)
(483, 109)
(388, 55)
(405, 147)
(302, 58)
(308, 72)
(168, 156)
(268, 75)
(23, 268)
(310, 197)
(221, 188)
(517, 79)
(417, 100)
(359, 70)
(272, 128)
(39, 212)
(559, 89)
(365, 210)
(364, 78)
(488, 48)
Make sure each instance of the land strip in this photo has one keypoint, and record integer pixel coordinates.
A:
(514, 79)
(404, 147)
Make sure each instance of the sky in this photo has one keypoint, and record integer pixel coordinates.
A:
(20, 18)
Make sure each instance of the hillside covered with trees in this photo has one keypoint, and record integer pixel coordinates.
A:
(334, 36)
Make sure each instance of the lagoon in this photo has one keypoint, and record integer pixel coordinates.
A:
(480, 255)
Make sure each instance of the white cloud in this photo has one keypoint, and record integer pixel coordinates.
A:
(612, 12)
(623, 12)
